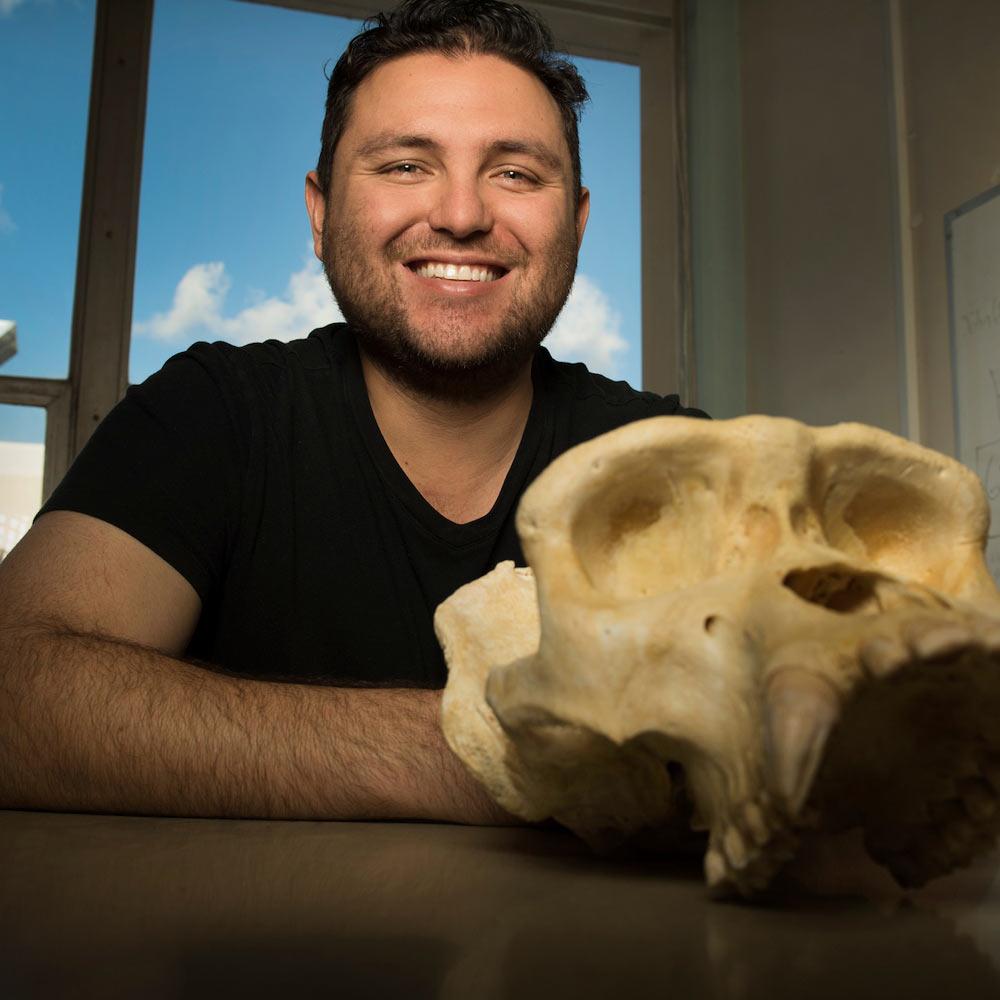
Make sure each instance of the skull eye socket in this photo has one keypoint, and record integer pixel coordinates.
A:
(895, 518)
(646, 531)
(620, 541)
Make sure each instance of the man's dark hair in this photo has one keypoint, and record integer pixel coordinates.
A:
(454, 28)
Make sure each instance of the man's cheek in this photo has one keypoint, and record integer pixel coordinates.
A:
(389, 216)
(535, 223)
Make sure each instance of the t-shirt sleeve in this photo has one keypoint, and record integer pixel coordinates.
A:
(166, 465)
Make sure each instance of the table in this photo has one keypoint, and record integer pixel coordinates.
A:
(120, 906)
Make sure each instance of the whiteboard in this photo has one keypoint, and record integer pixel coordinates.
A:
(972, 240)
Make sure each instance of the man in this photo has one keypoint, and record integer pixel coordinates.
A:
(252, 518)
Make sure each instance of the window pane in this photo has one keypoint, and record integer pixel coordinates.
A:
(45, 55)
(601, 324)
(236, 98)
(22, 458)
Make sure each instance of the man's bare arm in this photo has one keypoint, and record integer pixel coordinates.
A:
(98, 713)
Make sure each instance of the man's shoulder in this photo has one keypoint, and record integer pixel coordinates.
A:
(323, 348)
(601, 403)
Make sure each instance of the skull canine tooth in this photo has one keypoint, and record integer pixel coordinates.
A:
(801, 709)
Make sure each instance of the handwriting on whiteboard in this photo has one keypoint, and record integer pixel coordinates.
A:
(972, 237)
(982, 318)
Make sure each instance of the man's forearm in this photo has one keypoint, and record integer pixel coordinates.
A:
(92, 724)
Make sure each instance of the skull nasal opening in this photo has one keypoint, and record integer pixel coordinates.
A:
(838, 588)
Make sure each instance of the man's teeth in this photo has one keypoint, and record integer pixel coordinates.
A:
(457, 272)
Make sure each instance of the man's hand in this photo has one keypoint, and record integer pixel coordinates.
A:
(99, 714)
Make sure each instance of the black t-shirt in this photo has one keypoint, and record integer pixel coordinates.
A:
(259, 473)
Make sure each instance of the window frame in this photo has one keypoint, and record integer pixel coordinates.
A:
(105, 265)
(644, 33)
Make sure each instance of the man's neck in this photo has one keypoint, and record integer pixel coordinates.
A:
(456, 454)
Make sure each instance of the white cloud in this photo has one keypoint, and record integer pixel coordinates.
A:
(588, 329)
(200, 299)
(8, 6)
(6, 222)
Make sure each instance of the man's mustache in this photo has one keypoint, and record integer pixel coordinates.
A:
(399, 252)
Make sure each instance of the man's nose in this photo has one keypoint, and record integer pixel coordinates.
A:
(460, 208)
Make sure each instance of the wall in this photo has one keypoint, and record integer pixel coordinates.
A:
(821, 305)
(715, 173)
(819, 227)
(953, 96)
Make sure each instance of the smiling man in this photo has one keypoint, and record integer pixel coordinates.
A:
(226, 607)
(451, 162)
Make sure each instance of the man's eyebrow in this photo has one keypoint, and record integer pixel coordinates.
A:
(537, 150)
(519, 147)
(393, 140)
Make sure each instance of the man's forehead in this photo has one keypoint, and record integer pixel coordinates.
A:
(429, 93)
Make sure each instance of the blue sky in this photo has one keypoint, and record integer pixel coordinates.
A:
(236, 94)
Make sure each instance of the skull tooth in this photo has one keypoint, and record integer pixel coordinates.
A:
(735, 847)
(753, 818)
(932, 640)
(882, 655)
(716, 869)
(801, 710)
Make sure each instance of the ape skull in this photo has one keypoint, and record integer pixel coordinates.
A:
(751, 627)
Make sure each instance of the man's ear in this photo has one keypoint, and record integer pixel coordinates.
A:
(316, 207)
(582, 214)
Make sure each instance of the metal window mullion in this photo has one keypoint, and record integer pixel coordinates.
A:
(109, 216)
(55, 396)
(57, 430)
(18, 390)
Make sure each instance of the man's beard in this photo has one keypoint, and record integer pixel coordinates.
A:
(374, 309)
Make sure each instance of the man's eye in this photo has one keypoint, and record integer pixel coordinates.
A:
(517, 176)
(403, 169)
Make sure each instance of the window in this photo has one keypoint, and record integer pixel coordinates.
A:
(46, 48)
(624, 52)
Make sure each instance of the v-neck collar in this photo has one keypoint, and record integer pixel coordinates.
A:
(399, 483)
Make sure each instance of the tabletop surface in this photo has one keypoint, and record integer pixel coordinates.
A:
(121, 906)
